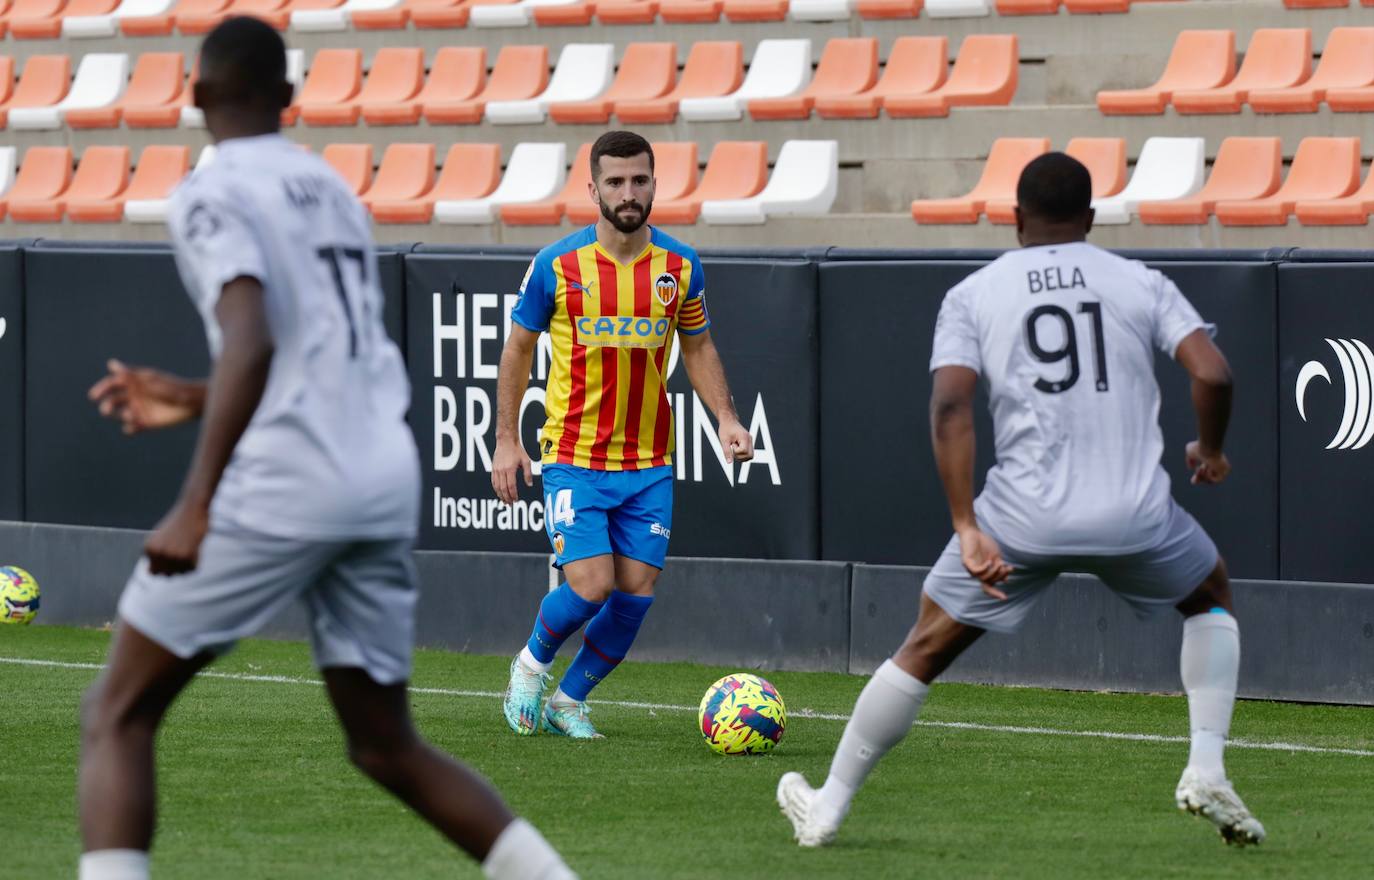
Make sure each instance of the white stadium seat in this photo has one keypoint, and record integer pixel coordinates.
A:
(339, 18)
(1168, 168)
(958, 8)
(820, 10)
(9, 161)
(584, 70)
(779, 68)
(100, 80)
(108, 25)
(510, 14)
(804, 183)
(155, 210)
(536, 172)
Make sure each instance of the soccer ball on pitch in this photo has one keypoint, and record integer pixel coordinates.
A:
(18, 595)
(742, 715)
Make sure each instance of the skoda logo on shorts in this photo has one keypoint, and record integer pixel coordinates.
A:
(1357, 375)
(665, 289)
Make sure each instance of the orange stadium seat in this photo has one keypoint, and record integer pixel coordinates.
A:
(45, 81)
(353, 162)
(755, 10)
(42, 178)
(1027, 7)
(1357, 100)
(1352, 210)
(1316, 4)
(577, 14)
(985, 73)
(154, 85)
(395, 79)
(396, 17)
(161, 25)
(204, 17)
(1277, 58)
(889, 8)
(848, 67)
(713, 69)
(1246, 168)
(1105, 159)
(736, 170)
(520, 73)
(1097, 7)
(690, 11)
(101, 176)
(1323, 168)
(1347, 62)
(33, 19)
(675, 174)
(915, 66)
(471, 171)
(6, 82)
(50, 27)
(458, 74)
(439, 15)
(626, 11)
(550, 211)
(160, 169)
(4, 22)
(1199, 60)
(328, 95)
(647, 71)
(406, 174)
(1001, 172)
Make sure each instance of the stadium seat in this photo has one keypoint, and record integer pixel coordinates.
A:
(1323, 168)
(396, 76)
(848, 66)
(985, 73)
(535, 172)
(820, 10)
(155, 85)
(626, 11)
(1246, 168)
(107, 24)
(444, 15)
(1347, 62)
(100, 80)
(577, 13)
(804, 183)
(675, 177)
(881, 9)
(779, 68)
(958, 8)
(1097, 7)
(406, 174)
(915, 66)
(1007, 158)
(102, 174)
(339, 17)
(584, 71)
(44, 175)
(1105, 159)
(331, 87)
(42, 19)
(43, 84)
(470, 171)
(713, 69)
(550, 211)
(736, 170)
(396, 17)
(1200, 60)
(6, 83)
(690, 11)
(1357, 100)
(1316, 4)
(1352, 210)
(520, 72)
(159, 170)
(1277, 58)
(274, 12)
(158, 24)
(647, 71)
(518, 14)
(8, 161)
(353, 162)
(153, 209)
(754, 10)
(1168, 168)
(459, 72)
(1027, 7)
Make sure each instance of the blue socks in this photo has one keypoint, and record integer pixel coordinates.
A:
(605, 643)
(561, 614)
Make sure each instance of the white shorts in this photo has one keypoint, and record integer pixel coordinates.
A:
(1150, 581)
(359, 595)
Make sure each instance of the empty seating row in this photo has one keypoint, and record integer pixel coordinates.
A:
(1322, 187)
(1323, 4)
(537, 187)
(1275, 77)
(585, 86)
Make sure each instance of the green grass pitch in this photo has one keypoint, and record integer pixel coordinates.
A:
(254, 783)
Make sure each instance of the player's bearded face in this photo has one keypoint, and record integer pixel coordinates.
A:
(629, 215)
(625, 191)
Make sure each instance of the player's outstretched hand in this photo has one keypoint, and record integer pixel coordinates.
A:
(736, 441)
(1207, 466)
(510, 460)
(143, 399)
(983, 559)
(174, 546)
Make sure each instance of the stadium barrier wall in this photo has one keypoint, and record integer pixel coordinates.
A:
(1300, 641)
(12, 338)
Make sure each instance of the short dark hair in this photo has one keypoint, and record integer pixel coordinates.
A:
(245, 57)
(1055, 187)
(621, 145)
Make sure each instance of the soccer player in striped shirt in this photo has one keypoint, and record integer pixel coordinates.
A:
(610, 297)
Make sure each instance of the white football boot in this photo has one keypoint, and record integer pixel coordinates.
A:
(1218, 803)
(795, 798)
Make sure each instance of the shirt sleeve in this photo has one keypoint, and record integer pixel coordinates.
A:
(956, 334)
(1175, 318)
(217, 243)
(692, 318)
(534, 306)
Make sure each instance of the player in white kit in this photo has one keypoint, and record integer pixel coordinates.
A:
(1064, 334)
(304, 483)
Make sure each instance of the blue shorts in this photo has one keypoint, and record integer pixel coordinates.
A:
(591, 513)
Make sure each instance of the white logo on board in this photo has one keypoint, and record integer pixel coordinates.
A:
(2, 328)
(1357, 373)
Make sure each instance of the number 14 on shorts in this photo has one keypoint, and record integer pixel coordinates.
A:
(559, 507)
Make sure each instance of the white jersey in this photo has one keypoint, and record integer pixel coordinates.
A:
(327, 454)
(1064, 335)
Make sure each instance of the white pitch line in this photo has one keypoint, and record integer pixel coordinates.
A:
(800, 713)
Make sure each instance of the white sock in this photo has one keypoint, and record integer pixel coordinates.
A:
(531, 662)
(884, 713)
(114, 864)
(562, 699)
(1209, 664)
(521, 853)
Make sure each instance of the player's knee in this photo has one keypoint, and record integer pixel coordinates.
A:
(104, 713)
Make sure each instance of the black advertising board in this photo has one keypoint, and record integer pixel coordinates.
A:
(12, 340)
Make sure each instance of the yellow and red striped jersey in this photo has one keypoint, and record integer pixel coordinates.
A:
(611, 326)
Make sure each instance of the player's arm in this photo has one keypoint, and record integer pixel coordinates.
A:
(511, 380)
(1211, 376)
(707, 375)
(234, 391)
(952, 436)
(144, 399)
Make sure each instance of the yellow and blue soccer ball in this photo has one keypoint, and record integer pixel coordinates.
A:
(18, 595)
(742, 714)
